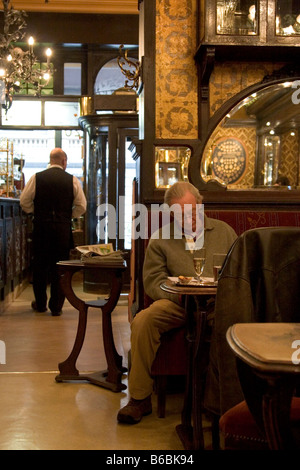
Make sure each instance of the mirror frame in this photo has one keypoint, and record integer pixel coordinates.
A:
(287, 73)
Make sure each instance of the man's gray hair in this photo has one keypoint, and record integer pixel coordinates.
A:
(179, 189)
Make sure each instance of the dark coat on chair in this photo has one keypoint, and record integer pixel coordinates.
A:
(259, 282)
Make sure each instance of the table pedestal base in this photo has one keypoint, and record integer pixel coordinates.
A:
(96, 378)
(185, 434)
(110, 378)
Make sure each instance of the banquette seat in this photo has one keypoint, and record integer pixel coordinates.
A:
(171, 359)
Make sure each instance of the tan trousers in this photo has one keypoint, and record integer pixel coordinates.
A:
(146, 329)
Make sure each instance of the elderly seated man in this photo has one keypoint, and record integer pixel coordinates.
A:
(169, 256)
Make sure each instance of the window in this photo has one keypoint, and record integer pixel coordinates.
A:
(28, 89)
(34, 147)
(23, 113)
(62, 113)
(110, 78)
(72, 78)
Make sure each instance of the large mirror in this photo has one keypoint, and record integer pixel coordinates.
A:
(256, 144)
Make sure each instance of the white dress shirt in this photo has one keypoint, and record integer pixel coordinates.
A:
(28, 195)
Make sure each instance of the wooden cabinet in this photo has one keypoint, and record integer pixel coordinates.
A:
(249, 22)
(232, 21)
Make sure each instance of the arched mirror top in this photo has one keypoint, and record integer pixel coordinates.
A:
(253, 140)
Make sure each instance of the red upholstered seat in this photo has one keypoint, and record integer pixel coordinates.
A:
(240, 432)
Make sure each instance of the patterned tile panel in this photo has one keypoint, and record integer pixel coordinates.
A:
(230, 78)
(176, 72)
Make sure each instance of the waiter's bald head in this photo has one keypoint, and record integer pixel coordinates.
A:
(58, 157)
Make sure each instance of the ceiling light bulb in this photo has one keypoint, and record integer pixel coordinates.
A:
(48, 52)
(31, 41)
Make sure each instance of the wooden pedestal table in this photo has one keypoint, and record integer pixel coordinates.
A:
(190, 430)
(110, 378)
(269, 371)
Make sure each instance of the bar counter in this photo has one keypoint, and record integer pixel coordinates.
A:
(15, 249)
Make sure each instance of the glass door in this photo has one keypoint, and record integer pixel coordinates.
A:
(126, 175)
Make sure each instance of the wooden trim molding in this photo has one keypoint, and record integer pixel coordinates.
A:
(128, 7)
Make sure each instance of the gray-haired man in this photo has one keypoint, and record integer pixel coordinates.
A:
(168, 257)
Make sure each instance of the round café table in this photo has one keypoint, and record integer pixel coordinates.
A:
(110, 378)
(268, 366)
(196, 298)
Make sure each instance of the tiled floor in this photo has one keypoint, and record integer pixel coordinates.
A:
(39, 413)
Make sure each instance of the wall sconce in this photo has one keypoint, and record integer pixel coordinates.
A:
(129, 68)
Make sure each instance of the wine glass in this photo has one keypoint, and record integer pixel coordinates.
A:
(199, 262)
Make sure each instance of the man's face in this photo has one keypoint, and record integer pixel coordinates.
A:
(189, 215)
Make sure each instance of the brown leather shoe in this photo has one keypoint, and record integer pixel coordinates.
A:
(133, 412)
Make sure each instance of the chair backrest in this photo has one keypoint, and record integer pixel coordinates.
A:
(259, 282)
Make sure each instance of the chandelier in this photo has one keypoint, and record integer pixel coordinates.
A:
(19, 68)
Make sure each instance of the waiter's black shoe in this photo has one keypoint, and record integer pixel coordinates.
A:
(35, 307)
(56, 314)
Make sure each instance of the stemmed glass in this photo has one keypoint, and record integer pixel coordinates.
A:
(199, 262)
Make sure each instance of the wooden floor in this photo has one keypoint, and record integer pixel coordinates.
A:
(38, 413)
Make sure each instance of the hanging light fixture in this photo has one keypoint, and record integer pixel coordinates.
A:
(18, 67)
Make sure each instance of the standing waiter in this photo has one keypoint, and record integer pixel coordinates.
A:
(54, 197)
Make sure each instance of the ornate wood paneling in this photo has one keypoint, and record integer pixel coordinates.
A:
(9, 249)
(17, 244)
(13, 247)
(2, 263)
(78, 6)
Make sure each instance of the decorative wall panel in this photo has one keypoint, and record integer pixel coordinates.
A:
(9, 261)
(247, 136)
(230, 78)
(24, 247)
(13, 248)
(2, 268)
(176, 73)
(17, 243)
(289, 163)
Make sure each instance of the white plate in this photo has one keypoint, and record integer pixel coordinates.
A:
(193, 282)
